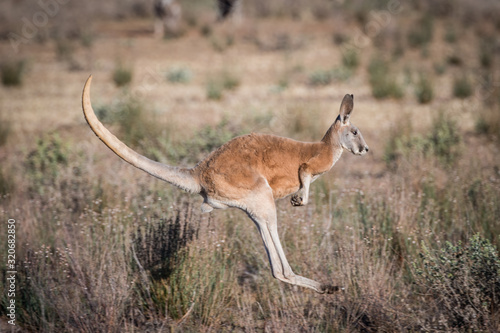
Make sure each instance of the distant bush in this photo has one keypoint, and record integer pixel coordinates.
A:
(229, 81)
(12, 72)
(220, 44)
(450, 35)
(222, 81)
(382, 81)
(443, 141)
(455, 60)
(179, 75)
(350, 59)
(6, 184)
(465, 280)
(65, 49)
(136, 125)
(488, 123)
(122, 75)
(206, 30)
(323, 77)
(486, 52)
(439, 68)
(44, 161)
(422, 32)
(424, 90)
(214, 90)
(5, 129)
(320, 78)
(462, 87)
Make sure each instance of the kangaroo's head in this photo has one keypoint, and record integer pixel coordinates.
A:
(349, 136)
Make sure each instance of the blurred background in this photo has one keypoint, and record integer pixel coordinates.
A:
(411, 230)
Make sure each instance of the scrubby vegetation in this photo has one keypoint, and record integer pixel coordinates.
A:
(411, 230)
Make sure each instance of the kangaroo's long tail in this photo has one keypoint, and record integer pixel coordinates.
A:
(180, 177)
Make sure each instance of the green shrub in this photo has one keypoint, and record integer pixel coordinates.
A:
(450, 35)
(6, 184)
(424, 90)
(422, 32)
(179, 75)
(488, 122)
(350, 59)
(122, 75)
(465, 281)
(222, 81)
(462, 87)
(229, 81)
(455, 60)
(320, 78)
(439, 68)
(65, 49)
(206, 30)
(12, 72)
(382, 81)
(43, 163)
(214, 90)
(486, 52)
(443, 141)
(136, 125)
(5, 130)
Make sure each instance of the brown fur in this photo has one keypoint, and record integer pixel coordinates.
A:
(250, 172)
(243, 160)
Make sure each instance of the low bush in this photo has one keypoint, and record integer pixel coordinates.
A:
(350, 59)
(122, 75)
(422, 32)
(179, 75)
(464, 280)
(382, 81)
(462, 87)
(424, 90)
(12, 72)
(443, 141)
(44, 162)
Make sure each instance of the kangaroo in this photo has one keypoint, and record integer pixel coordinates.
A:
(168, 17)
(250, 172)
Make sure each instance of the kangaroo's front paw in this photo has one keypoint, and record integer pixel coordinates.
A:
(297, 200)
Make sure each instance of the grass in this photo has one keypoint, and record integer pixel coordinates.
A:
(188, 271)
(131, 254)
(410, 230)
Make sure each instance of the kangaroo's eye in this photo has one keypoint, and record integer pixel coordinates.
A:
(355, 132)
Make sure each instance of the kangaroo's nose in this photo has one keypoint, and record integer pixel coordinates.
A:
(367, 149)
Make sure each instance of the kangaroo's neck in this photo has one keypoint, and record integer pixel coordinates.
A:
(331, 136)
(331, 140)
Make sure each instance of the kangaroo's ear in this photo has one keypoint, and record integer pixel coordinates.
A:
(346, 108)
